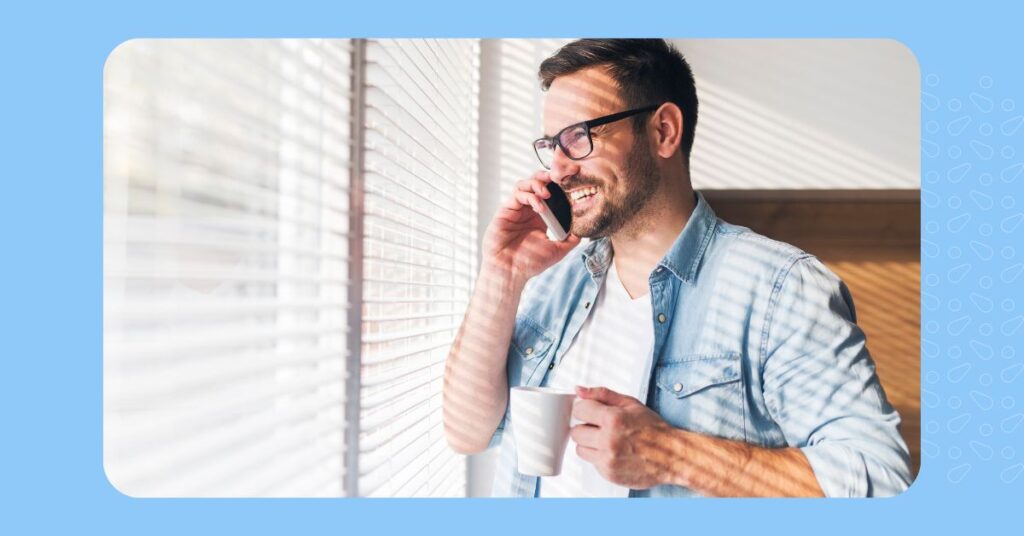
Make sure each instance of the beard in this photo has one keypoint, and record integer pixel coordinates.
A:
(614, 212)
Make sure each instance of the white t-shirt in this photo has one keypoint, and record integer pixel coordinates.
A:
(612, 349)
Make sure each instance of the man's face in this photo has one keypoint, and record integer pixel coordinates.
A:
(611, 185)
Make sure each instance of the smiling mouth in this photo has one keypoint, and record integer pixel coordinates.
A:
(581, 194)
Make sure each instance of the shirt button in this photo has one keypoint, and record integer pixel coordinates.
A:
(661, 318)
(551, 366)
(529, 350)
(659, 269)
(677, 387)
(587, 305)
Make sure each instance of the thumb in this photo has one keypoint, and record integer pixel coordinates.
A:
(570, 242)
(604, 395)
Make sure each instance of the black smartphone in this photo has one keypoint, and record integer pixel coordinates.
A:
(558, 215)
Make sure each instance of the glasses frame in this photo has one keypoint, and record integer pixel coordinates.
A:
(556, 140)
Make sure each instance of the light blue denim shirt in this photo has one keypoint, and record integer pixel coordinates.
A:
(754, 340)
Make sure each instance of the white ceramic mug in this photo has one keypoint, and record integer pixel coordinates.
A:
(540, 425)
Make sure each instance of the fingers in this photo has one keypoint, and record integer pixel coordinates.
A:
(586, 435)
(570, 242)
(587, 454)
(536, 184)
(527, 198)
(530, 192)
(524, 198)
(591, 412)
(604, 396)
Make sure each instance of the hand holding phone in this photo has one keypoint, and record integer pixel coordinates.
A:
(531, 231)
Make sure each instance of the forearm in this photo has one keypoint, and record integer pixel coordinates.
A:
(475, 381)
(723, 468)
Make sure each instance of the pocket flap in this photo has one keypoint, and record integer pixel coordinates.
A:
(683, 378)
(530, 340)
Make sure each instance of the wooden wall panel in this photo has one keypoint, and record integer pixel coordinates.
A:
(870, 239)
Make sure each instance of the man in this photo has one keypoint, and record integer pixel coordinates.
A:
(715, 361)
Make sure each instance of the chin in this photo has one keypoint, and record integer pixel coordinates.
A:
(581, 231)
(588, 228)
(592, 223)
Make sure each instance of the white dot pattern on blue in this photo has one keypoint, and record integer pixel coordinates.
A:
(970, 267)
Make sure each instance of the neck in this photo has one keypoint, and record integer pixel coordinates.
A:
(645, 240)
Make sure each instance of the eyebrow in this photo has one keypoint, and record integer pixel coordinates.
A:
(603, 120)
(546, 135)
(565, 127)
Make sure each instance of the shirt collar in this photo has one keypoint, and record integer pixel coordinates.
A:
(683, 258)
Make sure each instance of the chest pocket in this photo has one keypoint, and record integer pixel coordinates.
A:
(702, 393)
(531, 344)
(530, 341)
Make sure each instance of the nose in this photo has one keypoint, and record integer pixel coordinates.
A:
(562, 167)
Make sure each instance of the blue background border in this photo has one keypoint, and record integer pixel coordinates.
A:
(972, 303)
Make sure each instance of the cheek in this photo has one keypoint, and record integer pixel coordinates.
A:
(614, 187)
(607, 177)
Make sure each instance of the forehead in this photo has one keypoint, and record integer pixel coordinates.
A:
(583, 95)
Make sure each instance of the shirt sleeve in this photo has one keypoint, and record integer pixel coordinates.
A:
(821, 387)
(499, 432)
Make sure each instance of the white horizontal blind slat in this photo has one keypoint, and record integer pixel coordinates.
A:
(420, 251)
(226, 194)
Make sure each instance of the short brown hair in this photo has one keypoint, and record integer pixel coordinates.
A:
(647, 71)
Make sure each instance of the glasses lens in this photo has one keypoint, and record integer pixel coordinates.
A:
(576, 141)
(545, 152)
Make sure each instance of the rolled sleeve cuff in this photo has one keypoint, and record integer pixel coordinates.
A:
(499, 432)
(843, 471)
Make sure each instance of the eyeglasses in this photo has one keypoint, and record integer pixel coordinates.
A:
(575, 140)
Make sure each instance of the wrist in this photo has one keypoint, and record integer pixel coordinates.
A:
(501, 276)
(681, 447)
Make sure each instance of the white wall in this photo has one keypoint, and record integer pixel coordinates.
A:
(802, 113)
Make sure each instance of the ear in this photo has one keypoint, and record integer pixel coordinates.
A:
(668, 129)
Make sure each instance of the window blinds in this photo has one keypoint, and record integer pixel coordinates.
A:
(226, 170)
(420, 257)
(236, 195)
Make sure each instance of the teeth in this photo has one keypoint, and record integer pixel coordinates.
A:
(580, 193)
